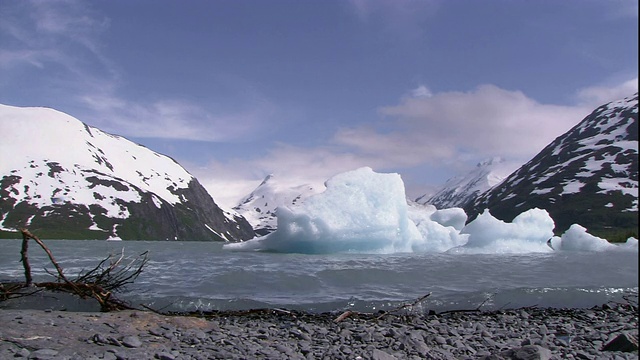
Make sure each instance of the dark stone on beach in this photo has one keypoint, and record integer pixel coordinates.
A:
(508, 334)
(528, 352)
(22, 353)
(624, 342)
(381, 355)
(43, 354)
(131, 341)
(100, 339)
(165, 356)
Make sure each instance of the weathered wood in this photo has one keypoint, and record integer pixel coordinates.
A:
(24, 258)
(97, 283)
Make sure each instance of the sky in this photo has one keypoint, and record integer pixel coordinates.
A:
(235, 90)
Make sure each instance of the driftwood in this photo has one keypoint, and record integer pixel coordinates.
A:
(98, 283)
(348, 313)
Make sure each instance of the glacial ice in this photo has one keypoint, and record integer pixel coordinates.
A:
(362, 211)
(576, 238)
(528, 232)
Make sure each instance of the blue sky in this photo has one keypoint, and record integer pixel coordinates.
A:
(236, 90)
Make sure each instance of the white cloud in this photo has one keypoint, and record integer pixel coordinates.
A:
(442, 131)
(52, 32)
(229, 181)
(597, 95)
(421, 91)
(63, 38)
(176, 119)
(448, 126)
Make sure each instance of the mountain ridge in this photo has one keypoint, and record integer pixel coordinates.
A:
(68, 179)
(260, 206)
(589, 175)
(460, 190)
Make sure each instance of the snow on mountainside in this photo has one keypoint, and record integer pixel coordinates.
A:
(460, 190)
(259, 207)
(64, 178)
(587, 176)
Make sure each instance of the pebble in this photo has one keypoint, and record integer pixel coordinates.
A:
(606, 332)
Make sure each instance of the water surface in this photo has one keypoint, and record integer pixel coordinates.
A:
(186, 276)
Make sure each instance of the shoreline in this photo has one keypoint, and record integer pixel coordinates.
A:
(601, 332)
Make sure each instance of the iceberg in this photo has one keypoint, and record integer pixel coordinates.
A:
(439, 229)
(528, 232)
(576, 238)
(362, 211)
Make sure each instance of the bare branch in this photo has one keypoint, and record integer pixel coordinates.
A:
(98, 283)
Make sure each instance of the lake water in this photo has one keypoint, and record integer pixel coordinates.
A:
(187, 276)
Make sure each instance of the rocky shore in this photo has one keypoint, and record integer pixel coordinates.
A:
(605, 332)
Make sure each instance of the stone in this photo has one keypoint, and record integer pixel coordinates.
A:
(131, 341)
(528, 352)
(43, 354)
(377, 354)
(624, 342)
(165, 356)
(22, 353)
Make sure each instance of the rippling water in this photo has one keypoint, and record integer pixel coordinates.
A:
(186, 276)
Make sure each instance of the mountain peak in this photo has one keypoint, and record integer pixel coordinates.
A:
(260, 206)
(460, 190)
(74, 180)
(589, 175)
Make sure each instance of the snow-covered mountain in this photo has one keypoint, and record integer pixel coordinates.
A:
(460, 190)
(64, 179)
(587, 176)
(259, 207)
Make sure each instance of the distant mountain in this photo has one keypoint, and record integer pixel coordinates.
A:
(259, 207)
(64, 179)
(587, 176)
(460, 190)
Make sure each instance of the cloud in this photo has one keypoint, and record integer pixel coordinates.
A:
(64, 39)
(421, 91)
(229, 180)
(598, 95)
(177, 119)
(397, 17)
(443, 131)
(451, 126)
(52, 33)
(620, 9)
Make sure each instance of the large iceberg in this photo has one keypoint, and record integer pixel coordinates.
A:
(362, 211)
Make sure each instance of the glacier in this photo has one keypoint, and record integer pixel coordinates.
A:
(362, 211)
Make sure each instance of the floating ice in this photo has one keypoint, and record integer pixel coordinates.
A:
(631, 244)
(366, 212)
(440, 229)
(528, 232)
(360, 211)
(455, 217)
(577, 239)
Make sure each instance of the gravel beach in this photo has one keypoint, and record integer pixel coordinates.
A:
(605, 332)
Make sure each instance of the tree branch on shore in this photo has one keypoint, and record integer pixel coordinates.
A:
(348, 313)
(98, 283)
